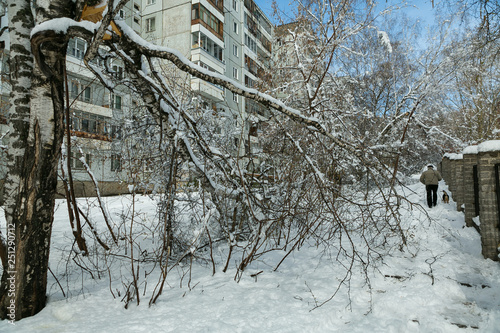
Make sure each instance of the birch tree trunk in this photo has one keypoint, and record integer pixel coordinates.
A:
(36, 133)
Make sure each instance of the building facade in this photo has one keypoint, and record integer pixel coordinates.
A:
(231, 37)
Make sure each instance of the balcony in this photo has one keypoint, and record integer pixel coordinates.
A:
(91, 126)
(199, 56)
(202, 16)
(207, 51)
(208, 90)
(218, 4)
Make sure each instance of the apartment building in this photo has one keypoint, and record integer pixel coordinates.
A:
(95, 113)
(230, 37)
(251, 50)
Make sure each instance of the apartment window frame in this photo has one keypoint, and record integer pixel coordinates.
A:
(116, 163)
(200, 40)
(150, 2)
(200, 13)
(76, 163)
(80, 91)
(249, 82)
(77, 48)
(235, 50)
(116, 101)
(91, 123)
(151, 24)
(118, 72)
(235, 73)
(251, 43)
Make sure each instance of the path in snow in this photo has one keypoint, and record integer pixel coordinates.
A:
(439, 283)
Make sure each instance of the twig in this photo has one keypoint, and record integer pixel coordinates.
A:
(62, 290)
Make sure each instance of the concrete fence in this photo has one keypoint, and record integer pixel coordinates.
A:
(473, 178)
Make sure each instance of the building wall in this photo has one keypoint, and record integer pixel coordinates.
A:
(469, 161)
(173, 27)
(485, 156)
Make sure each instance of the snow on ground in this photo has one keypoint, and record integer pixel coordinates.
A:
(440, 283)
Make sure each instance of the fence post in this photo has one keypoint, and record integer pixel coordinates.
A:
(459, 182)
(489, 156)
(471, 201)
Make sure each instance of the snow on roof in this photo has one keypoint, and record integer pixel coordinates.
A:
(470, 150)
(453, 156)
(492, 145)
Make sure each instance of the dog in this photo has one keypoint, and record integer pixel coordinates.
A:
(446, 198)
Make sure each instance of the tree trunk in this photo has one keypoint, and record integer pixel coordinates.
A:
(36, 133)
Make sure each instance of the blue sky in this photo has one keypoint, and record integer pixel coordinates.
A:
(421, 9)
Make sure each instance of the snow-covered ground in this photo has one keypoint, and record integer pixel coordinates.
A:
(440, 283)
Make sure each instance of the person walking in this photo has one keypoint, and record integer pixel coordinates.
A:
(430, 178)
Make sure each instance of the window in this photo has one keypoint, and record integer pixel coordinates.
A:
(151, 2)
(86, 95)
(252, 45)
(249, 82)
(235, 73)
(90, 123)
(235, 50)
(116, 132)
(136, 20)
(116, 101)
(137, 8)
(235, 98)
(74, 89)
(234, 5)
(80, 91)
(76, 48)
(198, 12)
(150, 24)
(212, 48)
(76, 161)
(116, 162)
(122, 13)
(118, 72)
(235, 27)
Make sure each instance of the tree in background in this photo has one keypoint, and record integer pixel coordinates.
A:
(354, 106)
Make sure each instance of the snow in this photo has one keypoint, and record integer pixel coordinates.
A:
(61, 25)
(492, 145)
(436, 284)
(237, 85)
(487, 146)
(470, 150)
(453, 156)
(384, 40)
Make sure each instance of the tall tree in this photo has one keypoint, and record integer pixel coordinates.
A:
(36, 132)
(308, 199)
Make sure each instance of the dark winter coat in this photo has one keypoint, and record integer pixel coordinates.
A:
(430, 177)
